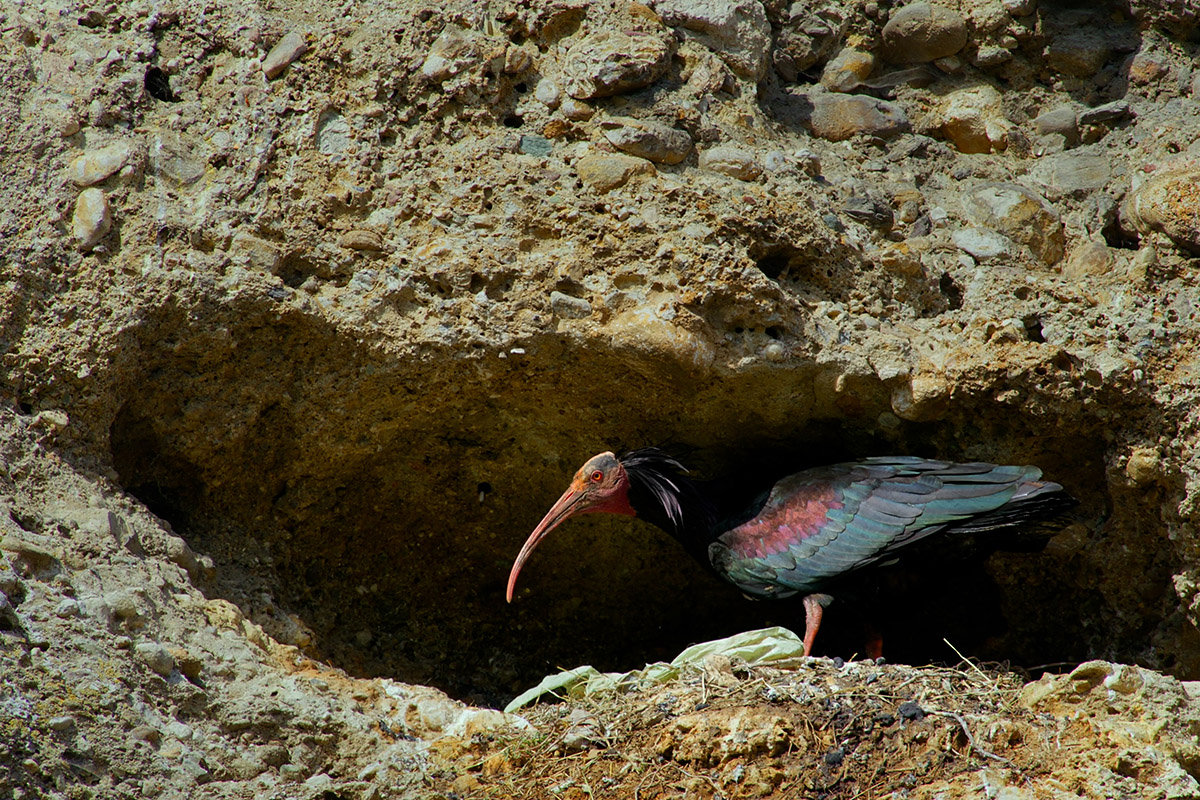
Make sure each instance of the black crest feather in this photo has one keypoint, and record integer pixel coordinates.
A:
(663, 479)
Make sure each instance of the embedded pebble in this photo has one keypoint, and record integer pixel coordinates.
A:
(807, 35)
(731, 161)
(361, 240)
(981, 243)
(92, 219)
(1060, 120)
(548, 93)
(156, 657)
(1019, 8)
(606, 63)
(576, 110)
(648, 139)
(1109, 112)
(178, 158)
(1080, 52)
(1093, 257)
(604, 173)
(847, 70)
(921, 32)
(285, 51)
(569, 307)
(837, 117)
(63, 723)
(1019, 214)
(67, 608)
(96, 165)
(1167, 203)
(121, 603)
(973, 120)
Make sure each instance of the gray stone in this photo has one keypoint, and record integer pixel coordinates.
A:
(922, 32)
(92, 219)
(533, 145)
(737, 30)
(96, 165)
(63, 723)
(1072, 173)
(648, 139)
(1109, 112)
(981, 242)
(285, 51)
(67, 608)
(731, 161)
(1061, 120)
(606, 63)
(569, 307)
(156, 657)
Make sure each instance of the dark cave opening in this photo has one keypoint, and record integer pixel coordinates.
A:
(392, 597)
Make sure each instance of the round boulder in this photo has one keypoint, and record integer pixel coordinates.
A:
(922, 32)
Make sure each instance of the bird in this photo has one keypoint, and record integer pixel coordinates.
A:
(800, 533)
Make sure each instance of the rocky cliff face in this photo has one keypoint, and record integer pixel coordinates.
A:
(309, 312)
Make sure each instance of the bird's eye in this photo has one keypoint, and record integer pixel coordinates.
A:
(597, 476)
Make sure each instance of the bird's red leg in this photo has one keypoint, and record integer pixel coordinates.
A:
(814, 609)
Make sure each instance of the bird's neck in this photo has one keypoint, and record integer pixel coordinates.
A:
(692, 523)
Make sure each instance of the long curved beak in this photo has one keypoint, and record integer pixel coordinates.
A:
(573, 501)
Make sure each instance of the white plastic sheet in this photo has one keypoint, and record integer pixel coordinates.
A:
(777, 647)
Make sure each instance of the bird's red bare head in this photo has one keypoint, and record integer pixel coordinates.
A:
(600, 485)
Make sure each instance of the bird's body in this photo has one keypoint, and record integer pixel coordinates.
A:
(799, 534)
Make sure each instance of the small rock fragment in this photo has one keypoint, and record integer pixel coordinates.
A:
(96, 165)
(92, 219)
(1093, 257)
(63, 723)
(569, 307)
(532, 145)
(156, 657)
(285, 51)
(1080, 52)
(837, 117)
(1144, 465)
(361, 240)
(604, 173)
(981, 243)
(973, 120)
(922, 32)
(731, 161)
(846, 71)
(737, 30)
(648, 139)
(1109, 112)
(1061, 120)
(808, 34)
(606, 63)
(548, 93)
(1021, 215)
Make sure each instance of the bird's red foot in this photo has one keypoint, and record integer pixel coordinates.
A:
(814, 609)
